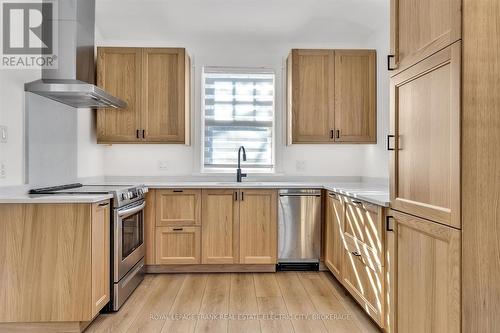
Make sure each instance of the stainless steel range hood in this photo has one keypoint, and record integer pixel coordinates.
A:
(73, 82)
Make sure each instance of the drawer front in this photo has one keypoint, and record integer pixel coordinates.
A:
(178, 207)
(363, 278)
(178, 245)
(364, 222)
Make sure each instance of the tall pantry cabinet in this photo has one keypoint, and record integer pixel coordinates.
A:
(443, 236)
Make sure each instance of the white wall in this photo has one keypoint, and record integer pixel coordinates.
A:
(12, 115)
(318, 160)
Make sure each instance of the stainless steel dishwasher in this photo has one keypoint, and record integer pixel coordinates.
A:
(299, 229)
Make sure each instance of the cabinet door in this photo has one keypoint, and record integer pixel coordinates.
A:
(220, 237)
(426, 285)
(119, 73)
(356, 96)
(422, 27)
(311, 74)
(100, 255)
(334, 229)
(178, 245)
(164, 94)
(178, 207)
(258, 224)
(425, 119)
(364, 222)
(362, 275)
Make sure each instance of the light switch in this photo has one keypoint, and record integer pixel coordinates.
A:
(3, 134)
(300, 166)
(163, 165)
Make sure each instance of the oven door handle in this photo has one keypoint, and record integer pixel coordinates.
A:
(130, 211)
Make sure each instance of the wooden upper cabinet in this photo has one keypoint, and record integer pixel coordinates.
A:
(356, 96)
(220, 231)
(100, 255)
(425, 119)
(155, 82)
(425, 272)
(178, 207)
(119, 73)
(310, 90)
(331, 96)
(419, 28)
(165, 95)
(258, 226)
(334, 230)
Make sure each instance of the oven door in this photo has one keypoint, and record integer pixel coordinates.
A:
(129, 238)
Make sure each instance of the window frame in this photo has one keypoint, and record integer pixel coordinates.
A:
(236, 70)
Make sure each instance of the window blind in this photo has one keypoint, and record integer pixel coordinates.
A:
(238, 111)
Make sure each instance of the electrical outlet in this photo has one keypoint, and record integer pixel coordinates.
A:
(3, 134)
(163, 165)
(3, 170)
(300, 166)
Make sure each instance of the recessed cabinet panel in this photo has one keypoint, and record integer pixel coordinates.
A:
(119, 73)
(334, 234)
(220, 237)
(426, 284)
(178, 207)
(423, 27)
(355, 96)
(178, 245)
(164, 97)
(258, 226)
(425, 119)
(312, 95)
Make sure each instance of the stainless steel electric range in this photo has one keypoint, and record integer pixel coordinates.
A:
(127, 234)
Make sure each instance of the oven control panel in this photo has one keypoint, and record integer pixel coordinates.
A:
(129, 195)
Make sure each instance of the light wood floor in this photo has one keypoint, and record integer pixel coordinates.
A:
(182, 302)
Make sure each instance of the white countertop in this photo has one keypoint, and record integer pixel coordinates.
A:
(370, 191)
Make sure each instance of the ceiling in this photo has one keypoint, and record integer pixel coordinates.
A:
(262, 20)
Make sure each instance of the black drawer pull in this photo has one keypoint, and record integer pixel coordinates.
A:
(104, 204)
(178, 229)
(389, 57)
(389, 137)
(178, 191)
(332, 195)
(356, 202)
(356, 254)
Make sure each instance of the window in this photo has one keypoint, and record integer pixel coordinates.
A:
(238, 111)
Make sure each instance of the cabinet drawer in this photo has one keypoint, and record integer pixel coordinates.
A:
(178, 245)
(364, 222)
(177, 207)
(362, 276)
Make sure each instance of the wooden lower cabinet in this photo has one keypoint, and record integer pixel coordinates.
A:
(100, 256)
(258, 226)
(220, 231)
(424, 276)
(178, 245)
(55, 264)
(334, 231)
(178, 207)
(362, 275)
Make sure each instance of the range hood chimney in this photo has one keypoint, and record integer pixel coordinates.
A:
(73, 82)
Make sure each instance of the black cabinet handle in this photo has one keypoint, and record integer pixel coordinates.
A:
(235, 196)
(338, 134)
(356, 254)
(388, 224)
(104, 204)
(356, 202)
(389, 141)
(389, 57)
(137, 134)
(332, 195)
(143, 134)
(331, 134)
(178, 229)
(178, 191)
(242, 196)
